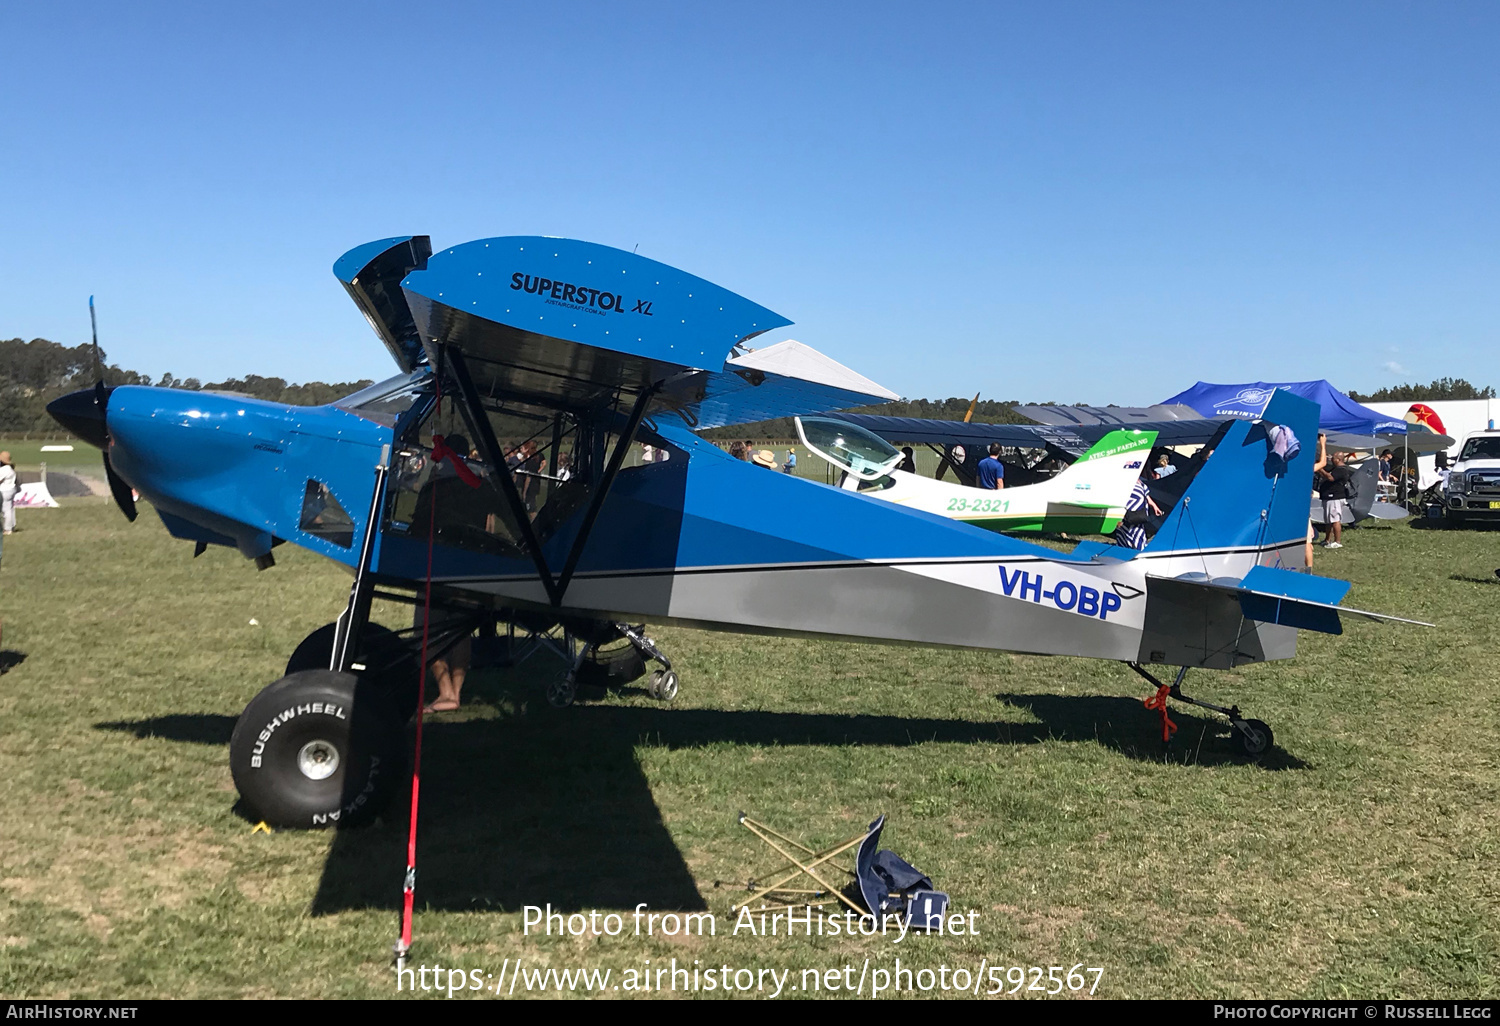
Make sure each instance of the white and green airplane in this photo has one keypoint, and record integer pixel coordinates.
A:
(1087, 497)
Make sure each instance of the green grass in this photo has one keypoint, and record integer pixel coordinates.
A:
(1358, 859)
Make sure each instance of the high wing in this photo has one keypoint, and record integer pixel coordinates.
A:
(1072, 438)
(1114, 416)
(570, 324)
(784, 380)
(955, 432)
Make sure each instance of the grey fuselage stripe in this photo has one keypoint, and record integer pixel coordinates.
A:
(885, 563)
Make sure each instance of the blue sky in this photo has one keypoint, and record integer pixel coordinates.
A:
(1082, 202)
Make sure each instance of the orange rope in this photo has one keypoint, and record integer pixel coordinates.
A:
(1159, 701)
(409, 887)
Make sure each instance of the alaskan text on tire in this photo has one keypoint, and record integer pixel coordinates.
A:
(318, 749)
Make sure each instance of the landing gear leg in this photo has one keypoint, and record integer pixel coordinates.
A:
(663, 685)
(351, 622)
(562, 690)
(1253, 738)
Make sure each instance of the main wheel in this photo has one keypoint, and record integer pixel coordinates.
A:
(318, 749)
(385, 658)
(1252, 737)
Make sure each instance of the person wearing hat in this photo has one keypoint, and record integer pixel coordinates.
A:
(764, 458)
(791, 461)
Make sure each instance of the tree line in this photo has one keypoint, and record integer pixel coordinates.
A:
(1442, 388)
(34, 373)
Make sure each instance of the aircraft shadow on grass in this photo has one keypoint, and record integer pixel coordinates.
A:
(1471, 579)
(554, 807)
(1125, 726)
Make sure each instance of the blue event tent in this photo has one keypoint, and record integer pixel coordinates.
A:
(1341, 415)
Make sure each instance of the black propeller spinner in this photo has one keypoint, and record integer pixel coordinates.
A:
(84, 413)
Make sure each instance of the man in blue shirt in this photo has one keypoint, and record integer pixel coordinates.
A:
(991, 470)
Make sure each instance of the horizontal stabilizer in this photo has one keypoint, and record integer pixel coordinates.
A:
(1271, 595)
(1382, 510)
(1095, 551)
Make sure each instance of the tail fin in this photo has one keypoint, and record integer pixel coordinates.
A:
(1105, 474)
(1251, 494)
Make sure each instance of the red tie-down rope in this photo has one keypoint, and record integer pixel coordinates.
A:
(440, 452)
(1159, 701)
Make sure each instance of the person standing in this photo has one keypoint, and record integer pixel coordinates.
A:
(1132, 532)
(791, 461)
(1334, 491)
(991, 470)
(452, 667)
(1322, 462)
(7, 493)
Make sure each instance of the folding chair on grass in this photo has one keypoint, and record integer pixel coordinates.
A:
(782, 887)
(884, 881)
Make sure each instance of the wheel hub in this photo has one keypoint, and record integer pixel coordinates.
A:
(318, 760)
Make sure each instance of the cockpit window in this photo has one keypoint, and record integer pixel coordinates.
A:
(385, 401)
(323, 516)
(862, 453)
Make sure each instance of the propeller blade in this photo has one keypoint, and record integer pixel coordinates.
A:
(124, 497)
(98, 360)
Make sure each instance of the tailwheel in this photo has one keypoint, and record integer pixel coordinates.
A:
(561, 691)
(1252, 737)
(318, 749)
(663, 685)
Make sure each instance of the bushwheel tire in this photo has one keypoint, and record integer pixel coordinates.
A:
(1253, 738)
(387, 662)
(318, 749)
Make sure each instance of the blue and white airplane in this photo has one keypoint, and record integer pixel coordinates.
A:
(551, 358)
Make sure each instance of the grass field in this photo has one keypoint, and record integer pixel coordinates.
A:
(1359, 858)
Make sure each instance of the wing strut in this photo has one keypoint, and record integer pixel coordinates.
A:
(558, 586)
(601, 490)
(487, 440)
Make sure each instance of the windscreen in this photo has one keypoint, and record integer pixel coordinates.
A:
(862, 453)
(385, 401)
(1481, 449)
